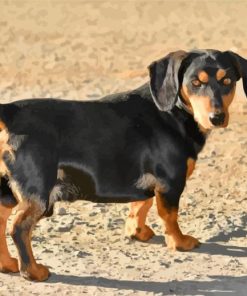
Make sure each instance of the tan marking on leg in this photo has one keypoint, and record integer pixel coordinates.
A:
(203, 76)
(220, 74)
(191, 163)
(135, 224)
(27, 214)
(175, 240)
(7, 263)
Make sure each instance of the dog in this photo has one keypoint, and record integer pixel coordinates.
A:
(126, 147)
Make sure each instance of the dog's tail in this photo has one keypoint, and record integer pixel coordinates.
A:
(8, 112)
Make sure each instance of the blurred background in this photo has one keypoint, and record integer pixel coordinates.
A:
(86, 49)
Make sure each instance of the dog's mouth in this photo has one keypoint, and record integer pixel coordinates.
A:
(210, 121)
(206, 116)
(217, 118)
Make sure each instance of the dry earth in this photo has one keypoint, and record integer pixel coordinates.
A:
(87, 49)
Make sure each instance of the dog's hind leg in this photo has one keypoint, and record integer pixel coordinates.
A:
(28, 213)
(135, 226)
(31, 179)
(7, 263)
(7, 202)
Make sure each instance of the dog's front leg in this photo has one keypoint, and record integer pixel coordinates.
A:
(135, 226)
(175, 239)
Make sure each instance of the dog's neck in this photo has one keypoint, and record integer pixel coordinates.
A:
(191, 128)
(181, 105)
(184, 117)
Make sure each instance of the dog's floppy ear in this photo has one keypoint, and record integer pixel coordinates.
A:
(240, 65)
(164, 82)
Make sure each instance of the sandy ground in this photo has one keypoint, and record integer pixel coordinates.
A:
(87, 49)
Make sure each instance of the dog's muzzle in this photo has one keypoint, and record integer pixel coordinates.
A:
(217, 118)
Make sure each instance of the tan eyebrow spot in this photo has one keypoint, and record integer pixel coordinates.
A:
(220, 74)
(203, 76)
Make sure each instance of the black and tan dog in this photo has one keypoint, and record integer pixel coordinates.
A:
(125, 147)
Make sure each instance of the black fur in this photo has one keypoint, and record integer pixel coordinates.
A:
(109, 143)
(240, 66)
(125, 147)
(105, 146)
(164, 80)
(6, 197)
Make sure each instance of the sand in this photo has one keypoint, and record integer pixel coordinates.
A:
(86, 49)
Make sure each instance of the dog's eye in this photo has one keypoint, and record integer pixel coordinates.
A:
(227, 81)
(196, 83)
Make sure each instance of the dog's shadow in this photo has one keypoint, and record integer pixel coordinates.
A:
(218, 249)
(213, 246)
(225, 237)
(216, 285)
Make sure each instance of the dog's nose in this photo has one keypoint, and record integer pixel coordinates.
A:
(217, 118)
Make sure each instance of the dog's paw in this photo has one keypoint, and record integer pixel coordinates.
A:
(140, 233)
(36, 272)
(184, 243)
(9, 265)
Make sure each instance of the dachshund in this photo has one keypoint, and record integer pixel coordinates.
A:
(125, 147)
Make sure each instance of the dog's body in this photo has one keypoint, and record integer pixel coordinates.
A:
(129, 138)
(126, 147)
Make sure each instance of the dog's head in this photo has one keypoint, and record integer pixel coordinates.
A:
(204, 80)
